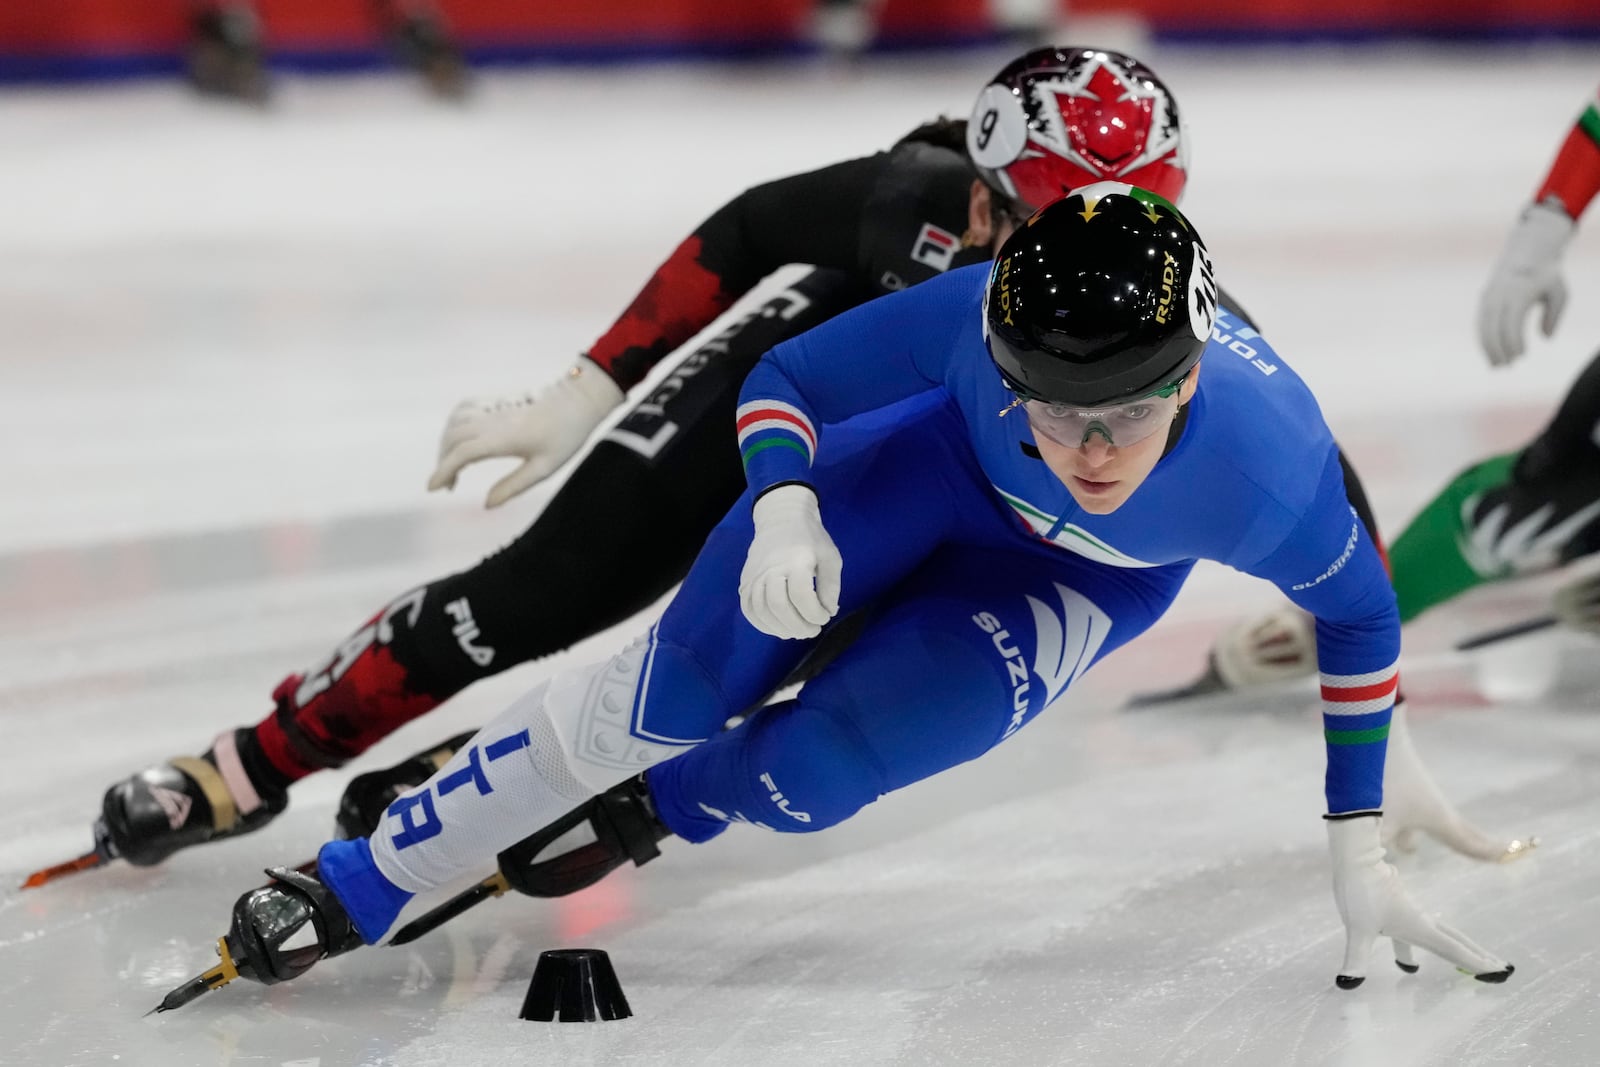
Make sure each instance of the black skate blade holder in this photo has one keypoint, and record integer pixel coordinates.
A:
(1506, 633)
(493, 886)
(622, 832)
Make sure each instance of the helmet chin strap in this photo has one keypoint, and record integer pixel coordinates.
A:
(1175, 431)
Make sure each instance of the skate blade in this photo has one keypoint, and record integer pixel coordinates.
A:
(1208, 684)
(217, 977)
(493, 886)
(86, 862)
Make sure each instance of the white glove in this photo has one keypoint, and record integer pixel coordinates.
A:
(790, 584)
(544, 431)
(1528, 272)
(1577, 604)
(1277, 646)
(1413, 802)
(1374, 904)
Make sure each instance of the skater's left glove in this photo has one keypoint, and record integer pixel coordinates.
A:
(1374, 904)
(544, 430)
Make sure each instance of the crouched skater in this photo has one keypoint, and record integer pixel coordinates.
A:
(1017, 467)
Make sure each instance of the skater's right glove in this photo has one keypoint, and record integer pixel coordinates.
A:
(790, 584)
(1374, 904)
(544, 431)
(1528, 272)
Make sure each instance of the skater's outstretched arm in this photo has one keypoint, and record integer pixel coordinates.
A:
(1528, 272)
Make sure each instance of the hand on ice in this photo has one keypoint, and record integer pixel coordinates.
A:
(544, 431)
(1413, 802)
(1373, 903)
(1577, 604)
(1527, 273)
(790, 584)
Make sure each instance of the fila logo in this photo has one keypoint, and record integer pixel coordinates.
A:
(1068, 641)
(466, 631)
(174, 803)
(782, 801)
(935, 248)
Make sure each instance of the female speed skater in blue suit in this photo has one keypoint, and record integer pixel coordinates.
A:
(1017, 481)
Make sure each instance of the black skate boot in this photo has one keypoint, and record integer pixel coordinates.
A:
(186, 801)
(278, 933)
(572, 853)
(369, 795)
(296, 909)
(225, 54)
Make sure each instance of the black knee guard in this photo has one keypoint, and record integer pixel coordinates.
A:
(624, 825)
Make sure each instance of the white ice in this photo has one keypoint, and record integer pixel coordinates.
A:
(230, 338)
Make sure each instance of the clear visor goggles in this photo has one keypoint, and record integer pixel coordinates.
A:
(1121, 425)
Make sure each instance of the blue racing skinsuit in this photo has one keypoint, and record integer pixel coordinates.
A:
(994, 590)
(991, 592)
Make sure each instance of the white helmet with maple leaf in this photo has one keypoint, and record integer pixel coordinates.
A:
(1057, 119)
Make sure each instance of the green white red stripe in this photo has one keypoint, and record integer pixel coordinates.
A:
(764, 424)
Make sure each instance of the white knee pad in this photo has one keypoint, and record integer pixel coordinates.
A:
(551, 750)
(594, 711)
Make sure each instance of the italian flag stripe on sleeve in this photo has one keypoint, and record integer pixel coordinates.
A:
(1355, 707)
(764, 424)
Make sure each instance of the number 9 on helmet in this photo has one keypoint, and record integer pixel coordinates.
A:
(1057, 119)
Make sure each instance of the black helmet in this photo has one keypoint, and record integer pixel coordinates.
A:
(1102, 296)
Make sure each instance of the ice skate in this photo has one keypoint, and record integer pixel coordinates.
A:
(188, 800)
(279, 931)
(185, 801)
(365, 798)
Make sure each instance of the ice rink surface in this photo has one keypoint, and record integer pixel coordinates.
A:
(230, 339)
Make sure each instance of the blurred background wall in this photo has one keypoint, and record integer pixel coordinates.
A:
(45, 40)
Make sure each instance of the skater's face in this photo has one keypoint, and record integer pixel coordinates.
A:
(1102, 476)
